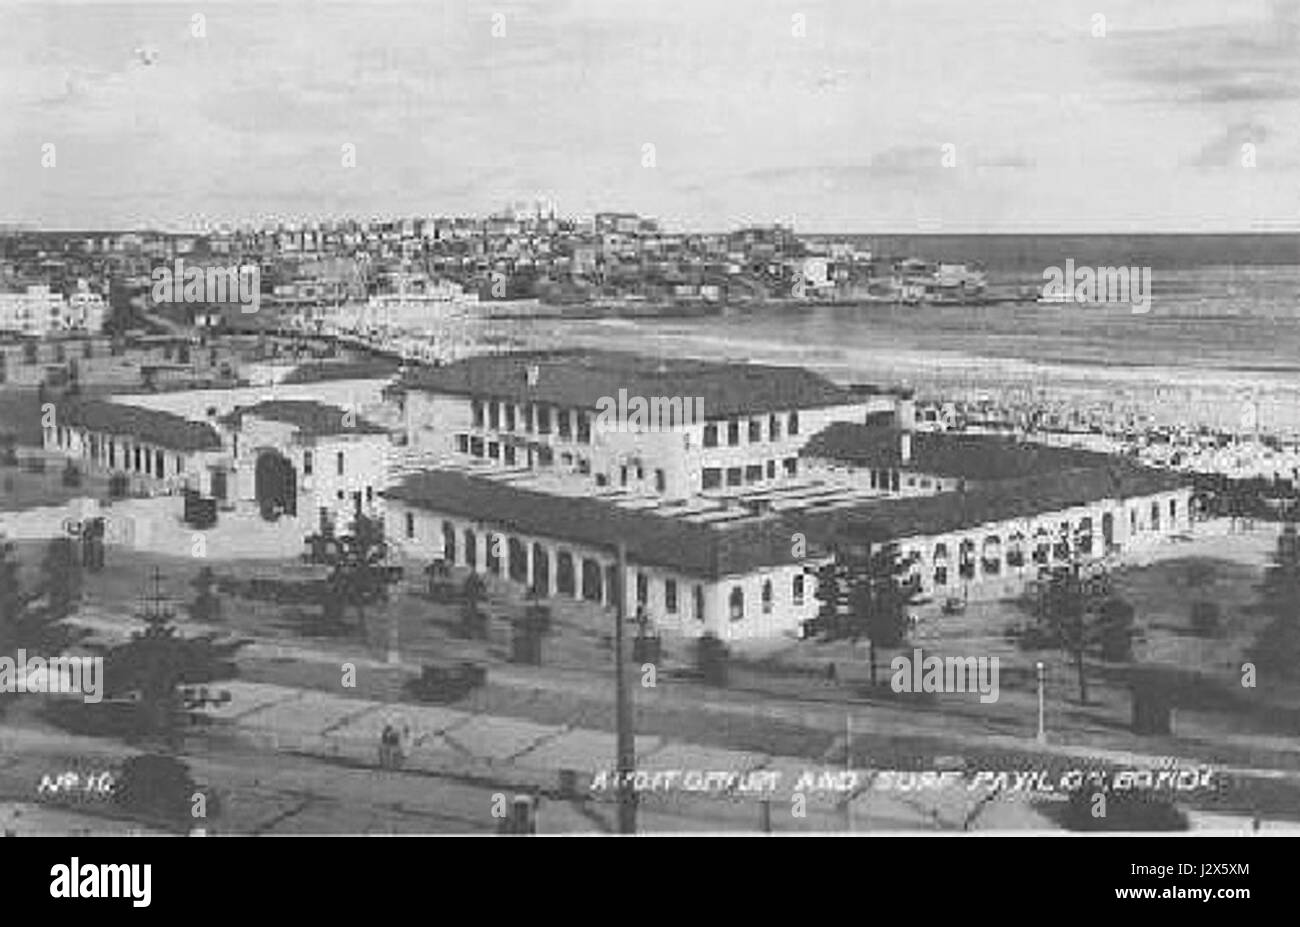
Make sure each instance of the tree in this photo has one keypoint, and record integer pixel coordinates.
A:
(36, 621)
(156, 662)
(1076, 610)
(866, 591)
(473, 594)
(1277, 647)
(359, 576)
(61, 577)
(206, 605)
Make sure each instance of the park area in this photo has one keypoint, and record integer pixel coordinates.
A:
(779, 698)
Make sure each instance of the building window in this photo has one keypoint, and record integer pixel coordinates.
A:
(476, 409)
(733, 433)
(791, 466)
(306, 463)
(767, 597)
(510, 416)
(753, 473)
(771, 469)
(564, 579)
(510, 455)
(755, 431)
(494, 415)
(584, 428)
(410, 524)
(712, 478)
(370, 494)
(159, 464)
(699, 603)
(494, 450)
(1155, 516)
(733, 476)
(773, 428)
(642, 589)
(592, 580)
(602, 480)
(670, 596)
(528, 417)
(545, 456)
(736, 604)
(462, 443)
(622, 476)
(711, 434)
(1016, 552)
(180, 465)
(563, 423)
(794, 423)
(543, 420)
(471, 549)
(661, 481)
(966, 559)
(1173, 511)
(112, 454)
(339, 462)
(796, 589)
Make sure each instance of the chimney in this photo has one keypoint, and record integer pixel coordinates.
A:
(905, 446)
(532, 374)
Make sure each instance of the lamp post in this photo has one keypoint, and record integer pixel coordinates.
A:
(1042, 733)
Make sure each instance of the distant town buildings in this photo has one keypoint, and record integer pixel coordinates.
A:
(40, 311)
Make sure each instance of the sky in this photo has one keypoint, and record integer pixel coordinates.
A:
(878, 116)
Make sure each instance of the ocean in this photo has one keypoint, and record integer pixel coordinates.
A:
(1222, 333)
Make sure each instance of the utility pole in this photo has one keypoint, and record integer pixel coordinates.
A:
(1042, 733)
(848, 767)
(623, 706)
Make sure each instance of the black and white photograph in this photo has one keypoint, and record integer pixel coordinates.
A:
(858, 418)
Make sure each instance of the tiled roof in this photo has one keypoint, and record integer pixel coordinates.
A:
(967, 456)
(308, 416)
(745, 545)
(579, 378)
(150, 426)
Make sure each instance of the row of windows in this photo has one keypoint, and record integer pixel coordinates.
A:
(308, 463)
(137, 459)
(736, 600)
(1045, 547)
(751, 473)
(753, 430)
(502, 416)
(592, 579)
(544, 456)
